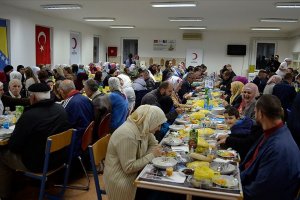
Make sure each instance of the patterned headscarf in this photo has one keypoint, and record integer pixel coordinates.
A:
(237, 88)
(175, 80)
(147, 118)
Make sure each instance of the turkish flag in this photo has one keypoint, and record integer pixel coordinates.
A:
(42, 45)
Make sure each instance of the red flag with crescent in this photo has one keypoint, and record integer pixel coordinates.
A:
(42, 45)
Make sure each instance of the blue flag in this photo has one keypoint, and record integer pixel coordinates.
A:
(4, 57)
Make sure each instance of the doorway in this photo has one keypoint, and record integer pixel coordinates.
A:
(264, 52)
(129, 46)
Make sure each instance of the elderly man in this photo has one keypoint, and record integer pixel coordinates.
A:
(26, 148)
(79, 109)
(271, 169)
(13, 97)
(153, 98)
(101, 102)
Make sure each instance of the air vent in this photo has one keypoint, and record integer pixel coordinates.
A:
(192, 36)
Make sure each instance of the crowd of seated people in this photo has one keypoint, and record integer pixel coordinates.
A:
(79, 89)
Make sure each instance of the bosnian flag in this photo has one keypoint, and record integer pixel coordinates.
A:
(4, 57)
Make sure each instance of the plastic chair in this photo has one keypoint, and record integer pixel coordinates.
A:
(97, 154)
(86, 141)
(103, 128)
(54, 144)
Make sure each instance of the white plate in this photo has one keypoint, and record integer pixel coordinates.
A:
(181, 121)
(226, 153)
(172, 141)
(225, 168)
(176, 127)
(230, 181)
(164, 162)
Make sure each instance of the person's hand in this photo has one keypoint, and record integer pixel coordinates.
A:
(225, 103)
(179, 110)
(222, 139)
(187, 95)
(198, 89)
(157, 151)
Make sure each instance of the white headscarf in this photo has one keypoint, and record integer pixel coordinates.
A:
(114, 84)
(126, 80)
(147, 118)
(15, 75)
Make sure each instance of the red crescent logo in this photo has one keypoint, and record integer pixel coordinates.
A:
(195, 56)
(75, 43)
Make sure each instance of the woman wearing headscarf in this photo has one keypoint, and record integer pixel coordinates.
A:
(130, 149)
(242, 79)
(235, 99)
(249, 94)
(177, 82)
(126, 85)
(119, 103)
(275, 79)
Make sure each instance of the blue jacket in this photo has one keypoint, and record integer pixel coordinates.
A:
(275, 173)
(119, 106)
(242, 126)
(80, 114)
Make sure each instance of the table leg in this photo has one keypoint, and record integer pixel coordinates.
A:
(188, 197)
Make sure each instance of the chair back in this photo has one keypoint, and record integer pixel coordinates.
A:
(59, 141)
(87, 137)
(97, 154)
(99, 149)
(103, 128)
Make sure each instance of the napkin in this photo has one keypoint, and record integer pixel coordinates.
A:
(180, 148)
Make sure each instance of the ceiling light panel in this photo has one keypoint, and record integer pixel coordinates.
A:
(192, 27)
(99, 19)
(287, 5)
(61, 6)
(279, 20)
(185, 19)
(265, 29)
(173, 4)
(122, 26)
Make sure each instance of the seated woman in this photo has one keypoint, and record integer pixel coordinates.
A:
(119, 104)
(12, 98)
(236, 95)
(226, 81)
(130, 149)
(178, 103)
(249, 94)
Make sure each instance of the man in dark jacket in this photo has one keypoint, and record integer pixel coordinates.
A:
(26, 148)
(154, 98)
(286, 93)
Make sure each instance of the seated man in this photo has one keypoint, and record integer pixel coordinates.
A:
(12, 98)
(271, 169)
(153, 98)
(79, 109)
(26, 148)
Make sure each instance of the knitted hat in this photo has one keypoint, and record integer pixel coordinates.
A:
(39, 87)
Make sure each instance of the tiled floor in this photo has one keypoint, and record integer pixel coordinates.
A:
(28, 190)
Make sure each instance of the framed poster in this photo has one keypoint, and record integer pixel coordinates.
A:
(164, 45)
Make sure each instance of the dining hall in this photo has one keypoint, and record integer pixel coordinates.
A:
(149, 99)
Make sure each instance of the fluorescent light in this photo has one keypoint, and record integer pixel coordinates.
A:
(287, 5)
(61, 6)
(279, 20)
(173, 4)
(99, 19)
(192, 27)
(122, 26)
(185, 19)
(265, 29)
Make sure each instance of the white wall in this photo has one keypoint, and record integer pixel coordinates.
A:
(214, 45)
(22, 37)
